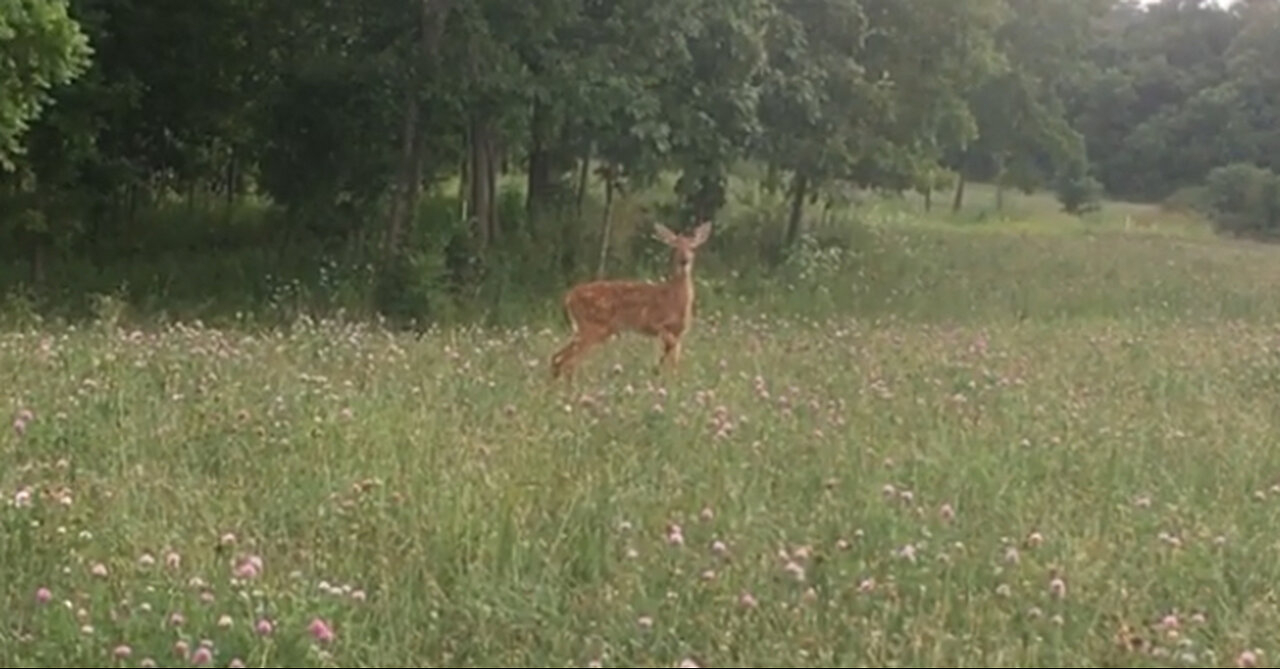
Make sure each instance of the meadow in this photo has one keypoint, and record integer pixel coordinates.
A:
(1033, 441)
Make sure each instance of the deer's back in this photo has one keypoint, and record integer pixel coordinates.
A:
(629, 305)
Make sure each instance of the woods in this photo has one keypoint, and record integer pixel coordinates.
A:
(325, 126)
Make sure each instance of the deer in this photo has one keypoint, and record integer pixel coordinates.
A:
(599, 310)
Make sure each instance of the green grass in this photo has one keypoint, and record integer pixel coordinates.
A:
(1087, 402)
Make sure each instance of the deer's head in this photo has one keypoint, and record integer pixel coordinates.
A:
(683, 248)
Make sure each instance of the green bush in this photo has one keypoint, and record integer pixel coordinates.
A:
(1078, 191)
(1244, 199)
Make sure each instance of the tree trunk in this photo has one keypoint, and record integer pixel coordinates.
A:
(607, 224)
(232, 177)
(583, 172)
(431, 21)
(38, 254)
(464, 187)
(958, 202)
(483, 170)
(799, 189)
(539, 165)
(1001, 176)
(401, 200)
(928, 200)
(132, 205)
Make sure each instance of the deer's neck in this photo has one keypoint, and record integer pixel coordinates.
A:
(681, 283)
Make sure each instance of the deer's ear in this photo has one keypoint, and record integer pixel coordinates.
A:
(664, 234)
(701, 233)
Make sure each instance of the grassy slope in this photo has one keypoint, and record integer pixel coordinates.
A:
(899, 454)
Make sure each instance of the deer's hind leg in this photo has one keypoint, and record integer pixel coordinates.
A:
(565, 361)
(566, 353)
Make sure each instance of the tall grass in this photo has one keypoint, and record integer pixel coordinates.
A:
(909, 445)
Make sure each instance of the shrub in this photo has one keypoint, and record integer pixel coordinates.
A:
(1077, 190)
(1244, 199)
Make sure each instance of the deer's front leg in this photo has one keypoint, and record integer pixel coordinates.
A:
(670, 351)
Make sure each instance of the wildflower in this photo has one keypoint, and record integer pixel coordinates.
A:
(263, 627)
(1058, 588)
(947, 513)
(20, 421)
(249, 567)
(1247, 658)
(98, 569)
(202, 656)
(320, 630)
(122, 651)
(43, 595)
(645, 622)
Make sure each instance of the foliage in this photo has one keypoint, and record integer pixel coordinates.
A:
(41, 48)
(338, 122)
(1078, 190)
(1244, 199)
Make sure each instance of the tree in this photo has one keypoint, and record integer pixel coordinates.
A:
(41, 47)
(1024, 134)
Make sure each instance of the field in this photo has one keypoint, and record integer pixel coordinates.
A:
(951, 444)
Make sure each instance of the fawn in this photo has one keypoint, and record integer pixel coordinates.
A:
(599, 310)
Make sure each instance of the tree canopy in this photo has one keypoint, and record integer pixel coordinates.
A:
(341, 115)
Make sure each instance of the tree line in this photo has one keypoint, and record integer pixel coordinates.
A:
(341, 114)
